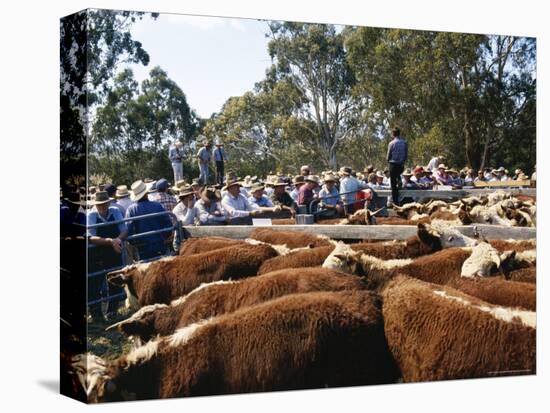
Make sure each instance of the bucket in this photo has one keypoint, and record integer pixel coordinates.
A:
(304, 219)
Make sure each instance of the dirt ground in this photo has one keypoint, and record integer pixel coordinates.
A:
(108, 344)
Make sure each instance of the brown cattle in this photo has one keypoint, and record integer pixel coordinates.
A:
(167, 279)
(443, 267)
(289, 238)
(514, 245)
(439, 333)
(410, 248)
(222, 297)
(300, 341)
(198, 245)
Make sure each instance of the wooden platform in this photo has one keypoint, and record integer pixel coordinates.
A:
(378, 232)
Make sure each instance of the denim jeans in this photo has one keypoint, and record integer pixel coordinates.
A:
(203, 173)
(178, 171)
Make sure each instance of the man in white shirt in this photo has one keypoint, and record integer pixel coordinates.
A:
(237, 207)
(434, 162)
(209, 208)
(204, 156)
(185, 211)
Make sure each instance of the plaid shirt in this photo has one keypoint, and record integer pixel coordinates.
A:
(167, 201)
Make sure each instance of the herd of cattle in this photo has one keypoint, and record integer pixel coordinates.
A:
(286, 310)
(497, 208)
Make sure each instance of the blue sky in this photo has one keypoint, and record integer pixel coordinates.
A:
(210, 58)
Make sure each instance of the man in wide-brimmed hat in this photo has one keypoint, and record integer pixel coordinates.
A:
(441, 176)
(175, 153)
(407, 182)
(236, 205)
(108, 239)
(298, 181)
(209, 208)
(349, 186)
(185, 211)
(204, 156)
(306, 192)
(151, 245)
(258, 199)
(122, 196)
(220, 158)
(330, 204)
(280, 197)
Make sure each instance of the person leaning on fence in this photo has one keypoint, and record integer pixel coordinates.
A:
(306, 194)
(175, 153)
(330, 205)
(209, 208)
(349, 186)
(186, 211)
(111, 191)
(281, 197)
(237, 207)
(398, 151)
(204, 156)
(258, 200)
(150, 245)
(107, 251)
(298, 181)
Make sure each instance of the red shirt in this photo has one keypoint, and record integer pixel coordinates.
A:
(305, 195)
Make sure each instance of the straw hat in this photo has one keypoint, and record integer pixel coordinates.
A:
(345, 170)
(185, 190)
(312, 178)
(329, 177)
(210, 194)
(407, 172)
(298, 180)
(122, 191)
(380, 174)
(442, 166)
(277, 181)
(230, 183)
(256, 187)
(139, 190)
(101, 197)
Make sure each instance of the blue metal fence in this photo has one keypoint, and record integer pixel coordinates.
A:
(178, 237)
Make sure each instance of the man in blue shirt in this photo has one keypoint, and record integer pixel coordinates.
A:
(107, 241)
(398, 152)
(330, 204)
(151, 245)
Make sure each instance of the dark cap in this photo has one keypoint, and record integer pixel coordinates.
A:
(162, 185)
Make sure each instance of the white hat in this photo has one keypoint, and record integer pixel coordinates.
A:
(139, 190)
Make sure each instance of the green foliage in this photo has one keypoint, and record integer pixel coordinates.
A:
(130, 136)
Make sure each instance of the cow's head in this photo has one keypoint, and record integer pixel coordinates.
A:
(125, 278)
(483, 261)
(141, 325)
(439, 235)
(344, 259)
(95, 376)
(464, 216)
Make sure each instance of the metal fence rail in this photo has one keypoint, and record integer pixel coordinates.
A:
(178, 236)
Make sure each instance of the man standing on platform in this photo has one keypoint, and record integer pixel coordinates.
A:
(220, 158)
(204, 155)
(176, 155)
(397, 156)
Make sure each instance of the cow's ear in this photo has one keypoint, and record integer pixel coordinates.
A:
(429, 237)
